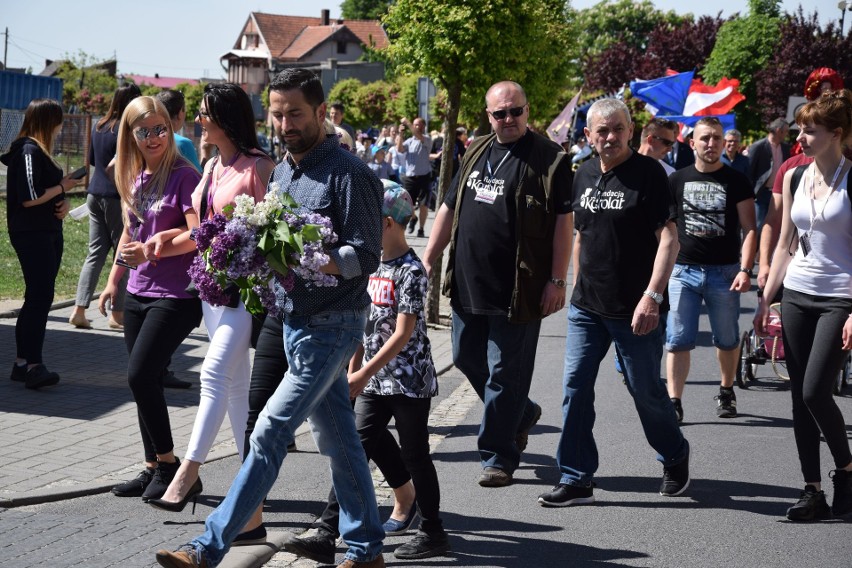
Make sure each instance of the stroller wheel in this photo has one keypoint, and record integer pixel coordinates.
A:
(744, 372)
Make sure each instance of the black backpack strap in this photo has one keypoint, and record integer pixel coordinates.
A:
(797, 178)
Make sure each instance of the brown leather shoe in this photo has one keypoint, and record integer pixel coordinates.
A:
(377, 562)
(183, 557)
(494, 477)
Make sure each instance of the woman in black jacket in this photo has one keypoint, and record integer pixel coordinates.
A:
(36, 205)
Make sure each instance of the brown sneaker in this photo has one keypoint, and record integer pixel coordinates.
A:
(377, 562)
(495, 477)
(184, 557)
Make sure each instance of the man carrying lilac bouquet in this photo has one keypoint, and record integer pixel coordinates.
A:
(322, 328)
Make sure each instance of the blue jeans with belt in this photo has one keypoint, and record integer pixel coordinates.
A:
(589, 338)
(315, 387)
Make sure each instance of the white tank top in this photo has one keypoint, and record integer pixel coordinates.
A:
(827, 269)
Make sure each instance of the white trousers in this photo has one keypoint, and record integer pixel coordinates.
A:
(225, 377)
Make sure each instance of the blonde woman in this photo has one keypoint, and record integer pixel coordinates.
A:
(36, 205)
(155, 185)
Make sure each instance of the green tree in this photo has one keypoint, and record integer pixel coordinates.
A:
(363, 9)
(744, 46)
(464, 46)
(87, 87)
(613, 24)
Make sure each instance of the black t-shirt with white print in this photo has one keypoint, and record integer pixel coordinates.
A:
(486, 245)
(617, 215)
(707, 219)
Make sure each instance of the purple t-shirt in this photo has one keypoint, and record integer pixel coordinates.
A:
(169, 278)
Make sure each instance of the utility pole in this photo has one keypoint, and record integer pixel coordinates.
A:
(6, 48)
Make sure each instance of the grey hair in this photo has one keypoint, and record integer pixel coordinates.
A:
(605, 108)
(777, 124)
(734, 132)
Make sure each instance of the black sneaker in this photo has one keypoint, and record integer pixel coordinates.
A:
(423, 545)
(412, 225)
(678, 408)
(319, 547)
(170, 381)
(727, 405)
(19, 372)
(841, 504)
(39, 376)
(420, 233)
(523, 435)
(811, 506)
(564, 495)
(163, 476)
(675, 479)
(135, 487)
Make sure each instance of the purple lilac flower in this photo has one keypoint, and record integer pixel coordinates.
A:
(208, 289)
(208, 230)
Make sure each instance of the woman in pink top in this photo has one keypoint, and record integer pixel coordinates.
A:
(241, 168)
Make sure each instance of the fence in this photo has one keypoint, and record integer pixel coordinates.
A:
(71, 149)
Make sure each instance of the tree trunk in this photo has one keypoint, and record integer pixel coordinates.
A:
(433, 299)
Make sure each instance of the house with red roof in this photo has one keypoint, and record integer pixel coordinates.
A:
(161, 82)
(269, 43)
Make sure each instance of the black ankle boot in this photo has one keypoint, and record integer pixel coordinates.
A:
(163, 476)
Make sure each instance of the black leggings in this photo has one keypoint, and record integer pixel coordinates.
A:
(812, 347)
(40, 255)
(153, 329)
(267, 371)
(398, 462)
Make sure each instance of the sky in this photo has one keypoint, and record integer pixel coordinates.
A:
(185, 38)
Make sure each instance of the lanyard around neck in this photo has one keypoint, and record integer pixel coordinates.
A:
(813, 212)
(488, 159)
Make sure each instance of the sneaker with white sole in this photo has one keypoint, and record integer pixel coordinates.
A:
(564, 495)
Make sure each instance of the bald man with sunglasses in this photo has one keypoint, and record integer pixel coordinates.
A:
(507, 218)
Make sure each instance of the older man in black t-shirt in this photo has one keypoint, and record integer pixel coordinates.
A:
(508, 219)
(715, 202)
(624, 250)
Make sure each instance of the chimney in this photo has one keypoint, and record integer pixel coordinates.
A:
(324, 17)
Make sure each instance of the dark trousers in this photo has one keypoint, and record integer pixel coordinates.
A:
(153, 329)
(410, 459)
(40, 254)
(267, 371)
(812, 339)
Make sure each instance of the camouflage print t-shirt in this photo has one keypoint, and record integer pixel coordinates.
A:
(399, 286)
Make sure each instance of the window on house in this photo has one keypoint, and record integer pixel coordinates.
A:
(341, 47)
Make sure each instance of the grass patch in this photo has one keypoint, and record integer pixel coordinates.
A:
(76, 235)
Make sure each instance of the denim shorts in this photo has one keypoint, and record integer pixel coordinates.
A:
(688, 286)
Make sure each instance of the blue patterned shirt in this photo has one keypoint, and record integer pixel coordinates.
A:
(335, 183)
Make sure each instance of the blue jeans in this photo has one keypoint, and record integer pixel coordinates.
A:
(318, 348)
(761, 206)
(498, 358)
(688, 286)
(589, 338)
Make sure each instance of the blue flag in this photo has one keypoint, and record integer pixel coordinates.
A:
(666, 94)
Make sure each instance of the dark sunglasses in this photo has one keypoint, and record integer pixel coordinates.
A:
(158, 131)
(502, 114)
(666, 142)
(202, 114)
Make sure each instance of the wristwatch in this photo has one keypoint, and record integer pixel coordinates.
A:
(748, 271)
(558, 282)
(656, 296)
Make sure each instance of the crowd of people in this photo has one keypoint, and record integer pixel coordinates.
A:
(650, 240)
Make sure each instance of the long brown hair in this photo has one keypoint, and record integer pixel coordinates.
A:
(40, 121)
(120, 100)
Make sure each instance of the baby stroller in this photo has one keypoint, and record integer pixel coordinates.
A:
(756, 350)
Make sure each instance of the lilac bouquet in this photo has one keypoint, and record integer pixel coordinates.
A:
(244, 249)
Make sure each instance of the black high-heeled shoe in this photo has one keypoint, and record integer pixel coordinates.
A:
(193, 494)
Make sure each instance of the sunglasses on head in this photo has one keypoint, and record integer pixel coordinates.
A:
(158, 131)
(502, 114)
(665, 141)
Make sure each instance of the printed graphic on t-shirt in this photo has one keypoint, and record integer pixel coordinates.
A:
(594, 199)
(381, 291)
(704, 208)
(487, 189)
